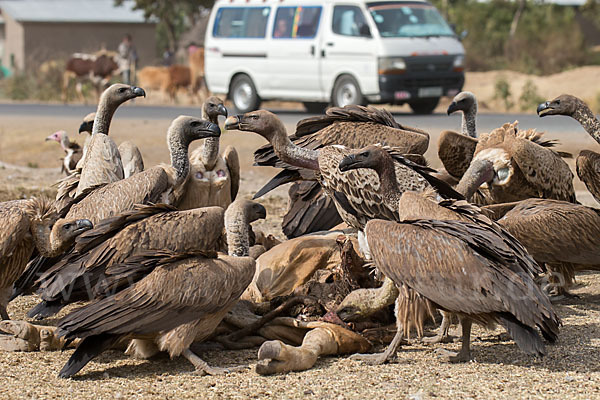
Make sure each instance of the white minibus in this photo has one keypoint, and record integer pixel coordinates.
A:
(335, 52)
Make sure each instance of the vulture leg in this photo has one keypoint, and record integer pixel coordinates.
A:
(442, 336)
(3, 312)
(203, 368)
(390, 352)
(4, 295)
(464, 354)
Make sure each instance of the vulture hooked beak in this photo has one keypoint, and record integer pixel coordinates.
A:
(86, 126)
(138, 91)
(233, 122)
(545, 109)
(83, 225)
(208, 129)
(453, 107)
(221, 110)
(261, 212)
(349, 162)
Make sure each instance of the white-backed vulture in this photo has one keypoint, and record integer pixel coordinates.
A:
(214, 178)
(588, 162)
(352, 126)
(161, 183)
(524, 166)
(28, 225)
(411, 308)
(101, 163)
(355, 193)
(183, 298)
(72, 151)
(564, 236)
(455, 150)
(131, 157)
(476, 271)
(79, 275)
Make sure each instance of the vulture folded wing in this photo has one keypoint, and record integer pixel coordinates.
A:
(543, 168)
(555, 231)
(456, 152)
(172, 294)
(101, 163)
(232, 160)
(588, 170)
(468, 270)
(142, 188)
(15, 226)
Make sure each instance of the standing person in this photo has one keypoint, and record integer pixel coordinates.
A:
(127, 59)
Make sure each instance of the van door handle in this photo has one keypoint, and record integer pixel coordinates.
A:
(330, 44)
(312, 50)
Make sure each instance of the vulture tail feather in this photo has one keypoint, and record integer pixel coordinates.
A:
(88, 349)
(285, 176)
(45, 309)
(527, 338)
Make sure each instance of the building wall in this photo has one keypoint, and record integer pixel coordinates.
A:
(51, 41)
(14, 43)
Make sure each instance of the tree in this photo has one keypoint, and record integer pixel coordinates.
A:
(173, 15)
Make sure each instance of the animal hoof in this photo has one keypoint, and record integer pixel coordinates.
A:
(370, 359)
(451, 356)
(270, 350)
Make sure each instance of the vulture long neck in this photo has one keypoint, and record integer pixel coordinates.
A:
(104, 113)
(290, 153)
(468, 125)
(472, 179)
(587, 119)
(64, 142)
(178, 148)
(44, 241)
(238, 237)
(210, 150)
(387, 178)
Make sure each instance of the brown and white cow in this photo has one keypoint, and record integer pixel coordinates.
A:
(98, 69)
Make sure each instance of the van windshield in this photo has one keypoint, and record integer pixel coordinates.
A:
(403, 19)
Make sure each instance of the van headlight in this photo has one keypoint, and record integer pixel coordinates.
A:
(391, 65)
(459, 63)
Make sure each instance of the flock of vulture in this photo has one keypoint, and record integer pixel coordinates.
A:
(161, 255)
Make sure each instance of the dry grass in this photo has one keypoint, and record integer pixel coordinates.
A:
(499, 371)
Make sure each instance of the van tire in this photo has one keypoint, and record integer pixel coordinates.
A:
(346, 91)
(315, 107)
(425, 106)
(242, 93)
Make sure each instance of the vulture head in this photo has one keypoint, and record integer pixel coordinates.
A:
(60, 137)
(64, 232)
(88, 123)
(119, 93)
(252, 210)
(188, 129)
(464, 101)
(356, 306)
(263, 122)
(213, 107)
(565, 104)
(483, 170)
(368, 157)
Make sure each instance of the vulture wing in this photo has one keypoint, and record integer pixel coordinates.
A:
(456, 151)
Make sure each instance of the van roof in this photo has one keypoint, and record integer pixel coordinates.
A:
(283, 2)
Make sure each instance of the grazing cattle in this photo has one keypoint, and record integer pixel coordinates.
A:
(96, 68)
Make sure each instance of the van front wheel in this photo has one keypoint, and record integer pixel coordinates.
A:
(243, 94)
(346, 91)
(425, 106)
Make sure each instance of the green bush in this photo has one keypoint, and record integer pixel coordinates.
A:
(502, 92)
(530, 98)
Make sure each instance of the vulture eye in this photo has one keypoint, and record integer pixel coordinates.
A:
(195, 124)
(66, 227)
(364, 154)
(254, 116)
(557, 102)
(122, 90)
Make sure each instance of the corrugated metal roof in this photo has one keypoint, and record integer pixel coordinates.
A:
(71, 11)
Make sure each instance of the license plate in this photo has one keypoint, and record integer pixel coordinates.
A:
(430, 92)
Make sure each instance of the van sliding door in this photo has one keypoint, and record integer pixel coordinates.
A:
(294, 53)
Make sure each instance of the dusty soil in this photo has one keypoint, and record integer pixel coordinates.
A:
(499, 370)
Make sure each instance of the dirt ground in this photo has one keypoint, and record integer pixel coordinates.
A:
(499, 370)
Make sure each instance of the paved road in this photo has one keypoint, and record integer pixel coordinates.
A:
(433, 123)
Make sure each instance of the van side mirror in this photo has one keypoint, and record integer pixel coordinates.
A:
(364, 30)
(463, 34)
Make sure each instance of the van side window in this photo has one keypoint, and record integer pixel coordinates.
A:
(349, 21)
(241, 22)
(296, 22)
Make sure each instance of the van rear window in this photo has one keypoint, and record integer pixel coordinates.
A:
(241, 22)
